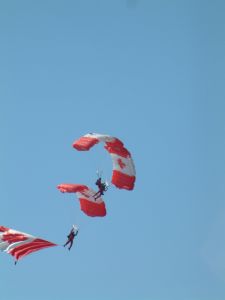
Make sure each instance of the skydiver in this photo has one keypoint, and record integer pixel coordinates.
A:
(102, 187)
(71, 236)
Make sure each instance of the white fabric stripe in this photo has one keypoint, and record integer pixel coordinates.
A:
(89, 195)
(129, 169)
(100, 137)
(3, 246)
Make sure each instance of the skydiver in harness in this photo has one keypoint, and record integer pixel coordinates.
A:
(102, 187)
(71, 236)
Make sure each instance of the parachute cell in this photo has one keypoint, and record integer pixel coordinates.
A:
(88, 204)
(123, 175)
(20, 244)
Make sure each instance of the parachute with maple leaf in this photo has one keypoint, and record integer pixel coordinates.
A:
(123, 175)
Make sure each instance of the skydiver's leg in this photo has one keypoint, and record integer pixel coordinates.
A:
(66, 243)
(71, 244)
(97, 195)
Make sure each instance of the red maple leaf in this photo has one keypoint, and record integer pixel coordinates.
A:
(121, 163)
(14, 237)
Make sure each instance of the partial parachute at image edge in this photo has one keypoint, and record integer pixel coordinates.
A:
(19, 244)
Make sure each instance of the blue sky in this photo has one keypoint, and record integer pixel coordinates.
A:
(150, 73)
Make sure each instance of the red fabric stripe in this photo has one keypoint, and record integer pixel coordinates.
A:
(117, 147)
(71, 188)
(23, 252)
(3, 229)
(123, 181)
(25, 249)
(85, 143)
(14, 237)
(31, 250)
(92, 209)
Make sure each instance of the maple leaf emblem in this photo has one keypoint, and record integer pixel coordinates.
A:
(121, 163)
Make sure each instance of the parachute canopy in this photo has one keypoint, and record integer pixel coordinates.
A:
(123, 175)
(20, 244)
(88, 204)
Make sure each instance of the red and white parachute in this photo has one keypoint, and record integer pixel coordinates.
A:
(88, 204)
(123, 175)
(20, 244)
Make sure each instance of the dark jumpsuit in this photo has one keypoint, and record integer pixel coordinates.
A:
(101, 188)
(71, 237)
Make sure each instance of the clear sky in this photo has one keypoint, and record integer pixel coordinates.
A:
(150, 73)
